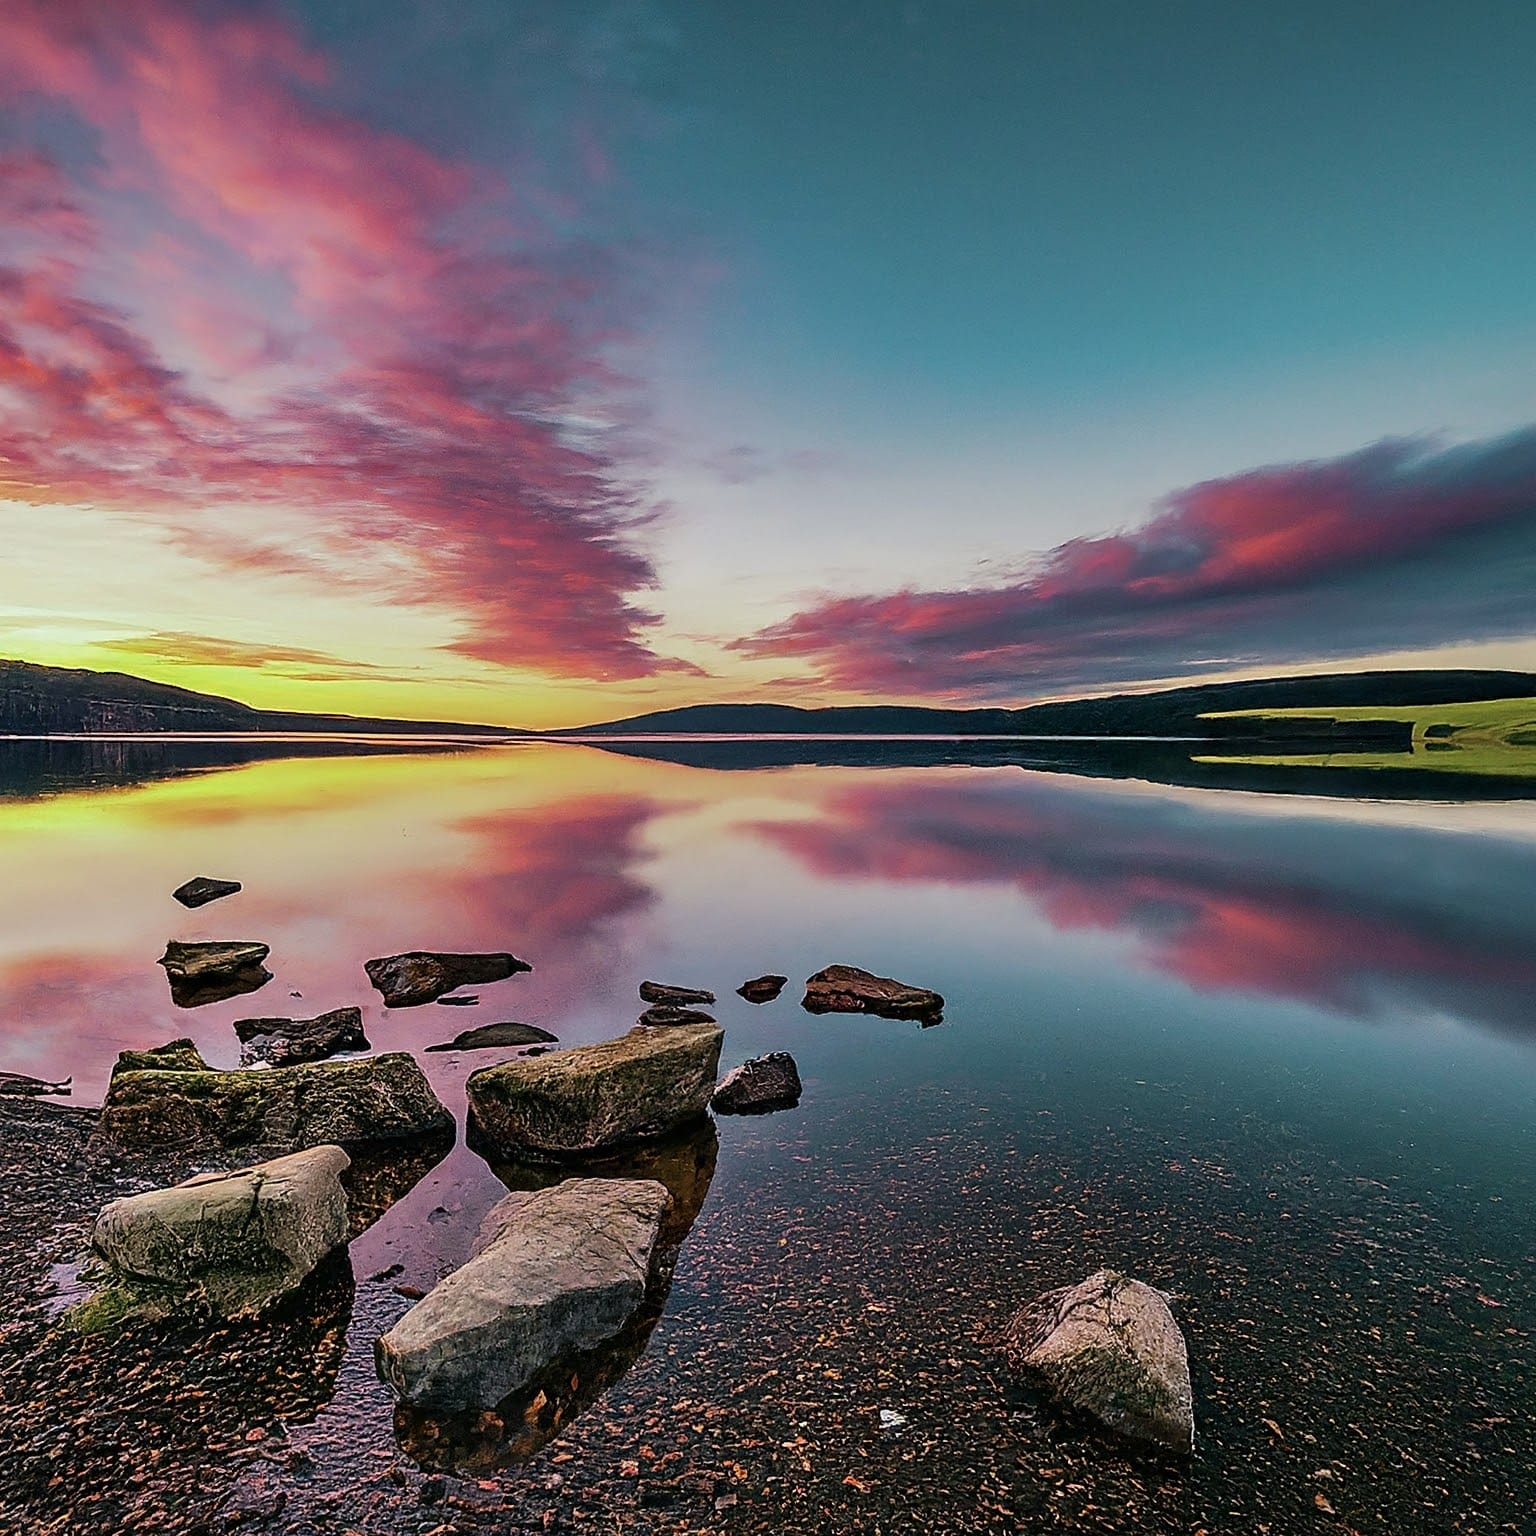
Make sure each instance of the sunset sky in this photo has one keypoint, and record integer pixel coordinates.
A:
(544, 362)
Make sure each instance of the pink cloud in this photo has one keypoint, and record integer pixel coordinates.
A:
(1399, 545)
(418, 363)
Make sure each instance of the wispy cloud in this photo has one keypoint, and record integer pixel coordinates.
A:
(241, 299)
(184, 648)
(1402, 545)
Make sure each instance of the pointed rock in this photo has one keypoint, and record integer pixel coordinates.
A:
(199, 891)
(759, 1086)
(1110, 1347)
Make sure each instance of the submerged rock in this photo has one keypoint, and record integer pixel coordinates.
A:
(758, 1086)
(660, 992)
(488, 1035)
(1110, 1347)
(669, 1016)
(597, 1098)
(209, 973)
(202, 889)
(762, 989)
(559, 1270)
(283, 1042)
(847, 989)
(423, 976)
(230, 1243)
(351, 1103)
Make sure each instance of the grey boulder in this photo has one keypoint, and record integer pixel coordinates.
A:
(555, 1271)
(230, 1243)
(1111, 1348)
(597, 1098)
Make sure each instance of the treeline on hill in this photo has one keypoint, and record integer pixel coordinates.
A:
(36, 700)
(1167, 712)
(49, 701)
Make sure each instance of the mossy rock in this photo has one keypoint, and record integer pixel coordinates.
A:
(267, 1113)
(595, 1099)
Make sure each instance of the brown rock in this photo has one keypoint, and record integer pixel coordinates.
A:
(847, 989)
(667, 1016)
(762, 989)
(660, 992)
(423, 976)
(759, 1086)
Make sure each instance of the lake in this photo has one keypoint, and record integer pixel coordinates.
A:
(1273, 1053)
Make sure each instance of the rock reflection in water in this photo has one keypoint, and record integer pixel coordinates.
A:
(379, 1176)
(685, 1164)
(480, 1440)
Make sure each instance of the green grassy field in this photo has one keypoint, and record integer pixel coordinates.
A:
(1493, 736)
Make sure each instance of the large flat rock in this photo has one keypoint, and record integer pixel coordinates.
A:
(596, 1098)
(1110, 1347)
(556, 1271)
(376, 1099)
(230, 1242)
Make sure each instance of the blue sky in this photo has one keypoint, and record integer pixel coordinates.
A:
(907, 295)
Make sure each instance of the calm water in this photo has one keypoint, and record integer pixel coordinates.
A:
(1275, 1053)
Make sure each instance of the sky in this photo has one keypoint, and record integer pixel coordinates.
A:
(546, 362)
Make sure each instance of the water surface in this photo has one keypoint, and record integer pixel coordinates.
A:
(1274, 1053)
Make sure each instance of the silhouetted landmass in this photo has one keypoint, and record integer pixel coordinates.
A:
(36, 701)
(1168, 712)
(43, 701)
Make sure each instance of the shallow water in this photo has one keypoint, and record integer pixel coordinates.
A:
(1276, 1054)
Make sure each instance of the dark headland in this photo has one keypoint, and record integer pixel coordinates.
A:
(37, 700)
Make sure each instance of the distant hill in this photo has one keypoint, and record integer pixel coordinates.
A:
(1168, 712)
(38, 701)
(46, 701)
(790, 720)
